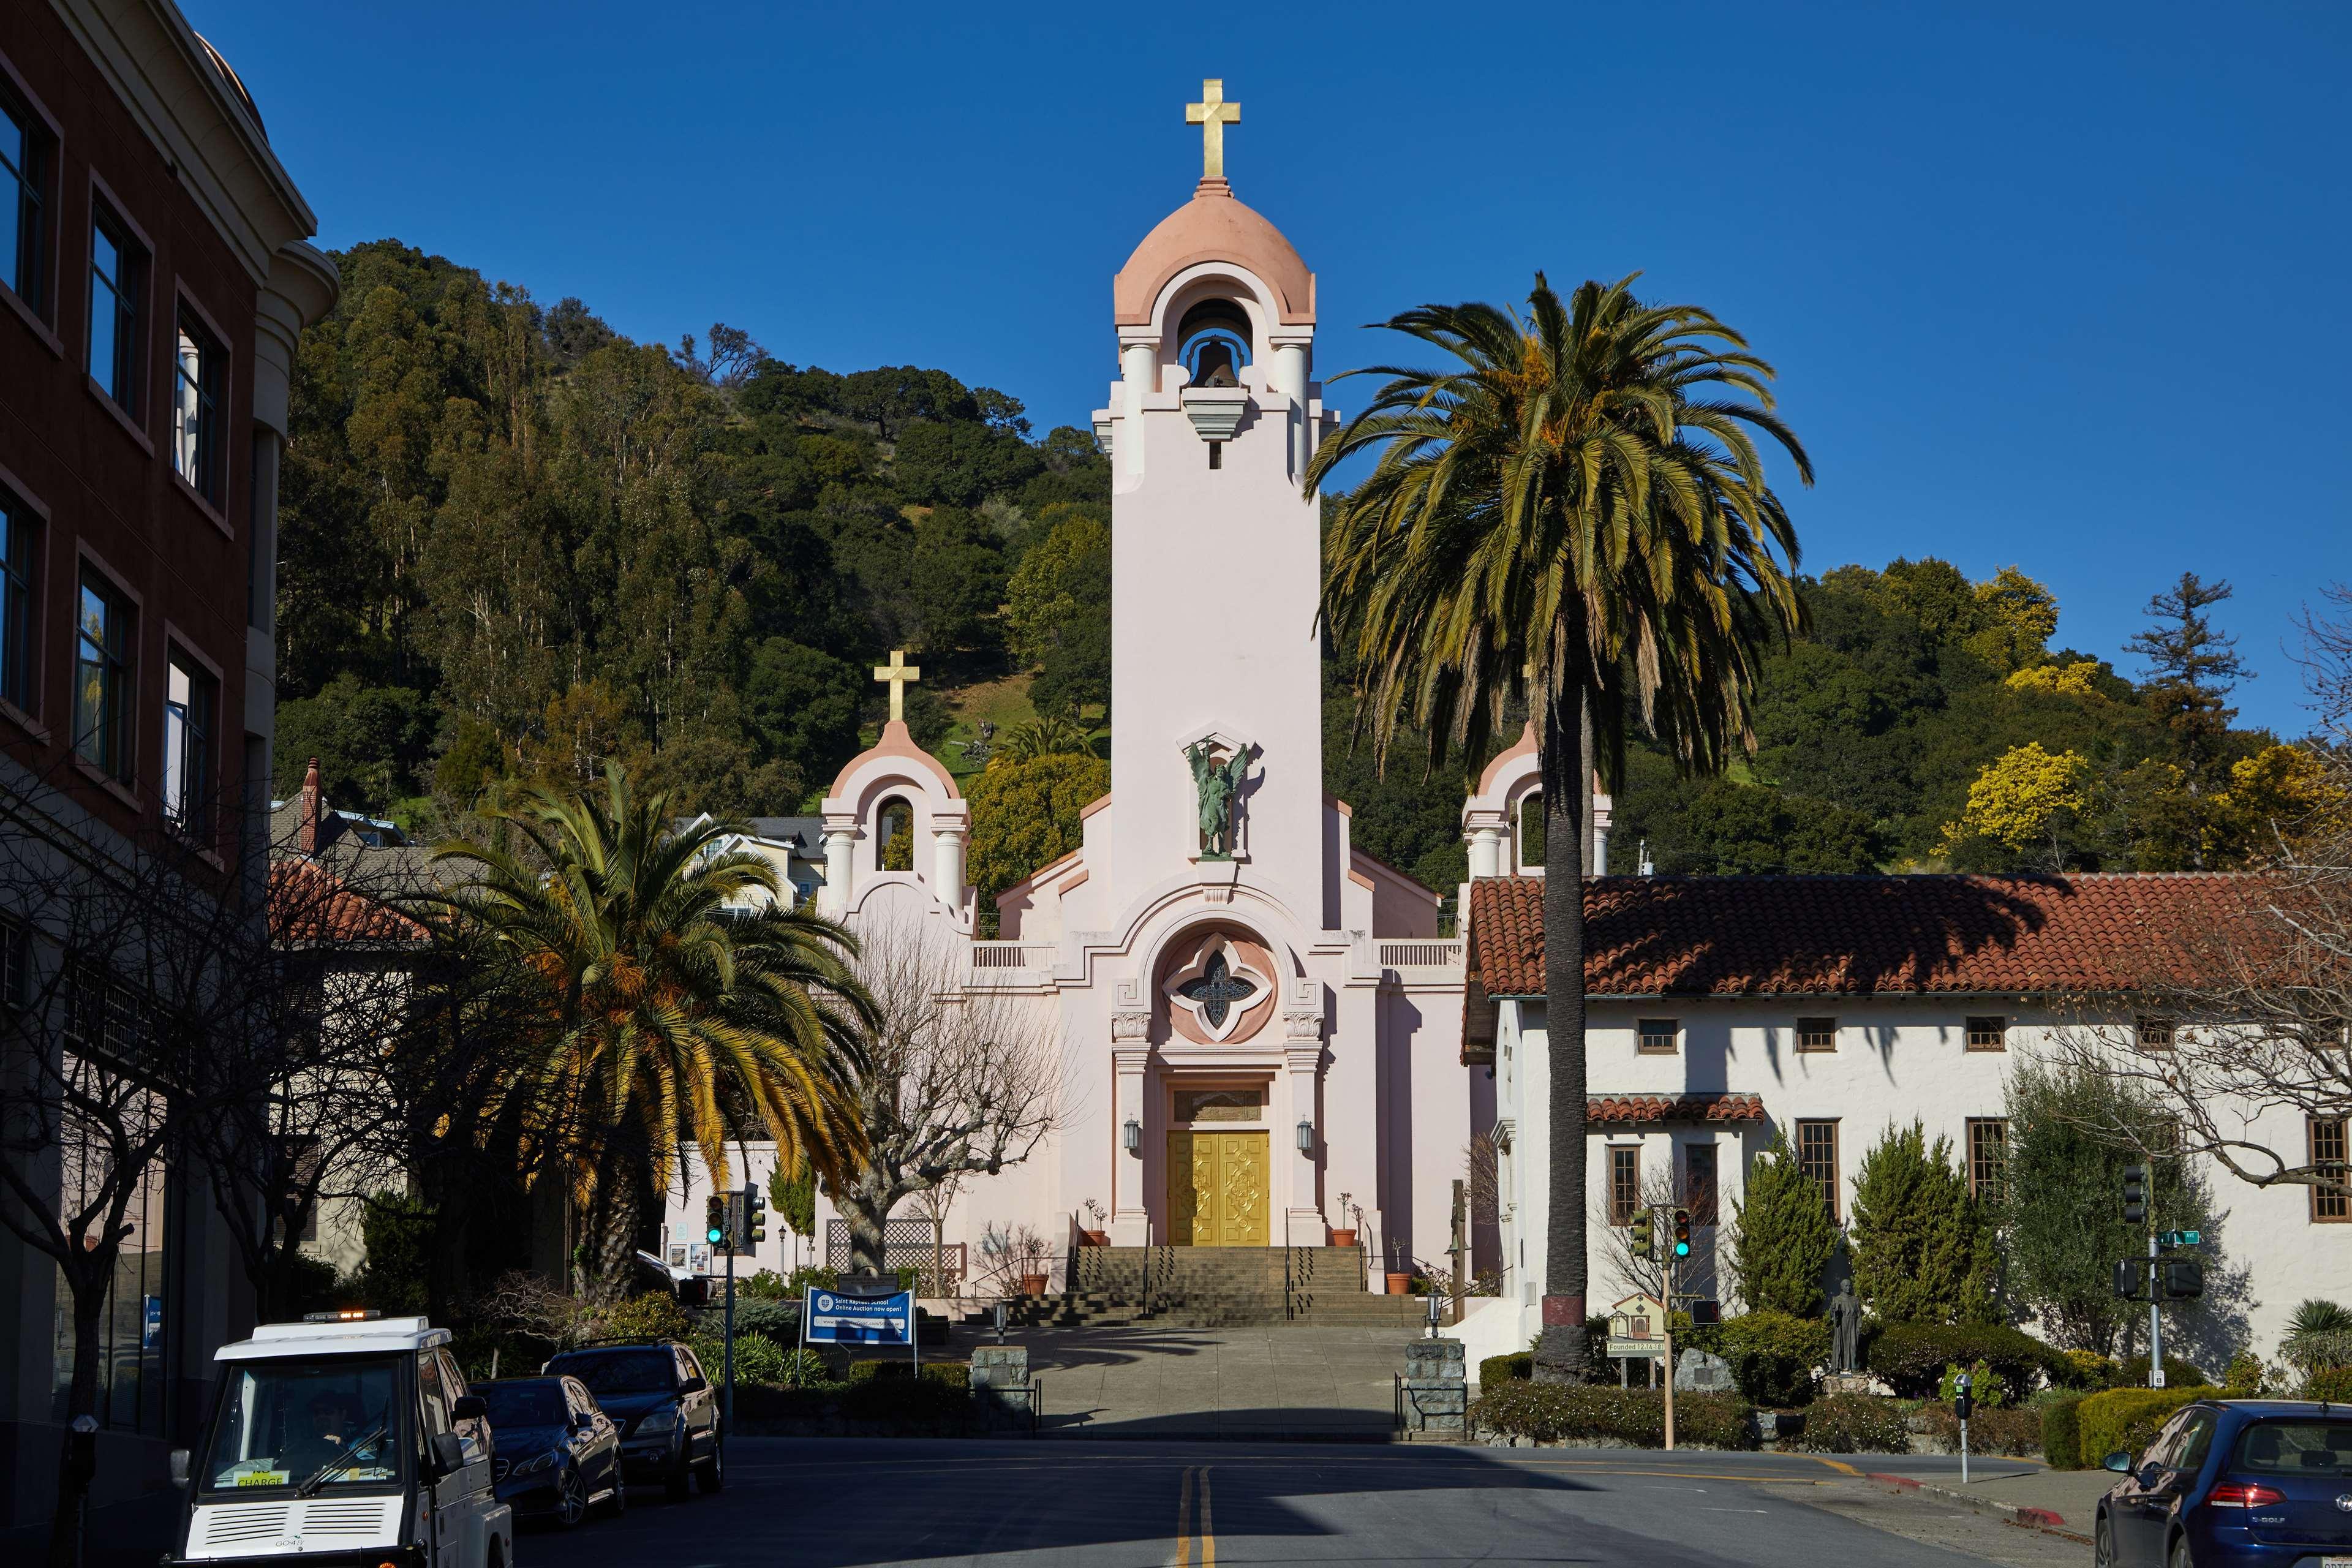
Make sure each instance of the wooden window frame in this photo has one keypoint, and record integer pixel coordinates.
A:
(1670, 1028)
(1828, 1188)
(2154, 1031)
(1978, 1184)
(1704, 1201)
(1821, 1024)
(1992, 1025)
(1626, 1157)
(2328, 1208)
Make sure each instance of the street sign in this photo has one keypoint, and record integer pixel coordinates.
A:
(1634, 1350)
(2183, 1238)
(834, 1319)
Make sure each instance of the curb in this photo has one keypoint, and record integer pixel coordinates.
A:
(2040, 1518)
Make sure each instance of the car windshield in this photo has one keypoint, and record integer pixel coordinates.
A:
(284, 1422)
(620, 1371)
(2297, 1448)
(523, 1404)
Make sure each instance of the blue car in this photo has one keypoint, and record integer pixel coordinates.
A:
(658, 1395)
(2235, 1483)
(559, 1455)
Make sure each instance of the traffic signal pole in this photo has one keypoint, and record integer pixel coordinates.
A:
(727, 1404)
(2155, 1318)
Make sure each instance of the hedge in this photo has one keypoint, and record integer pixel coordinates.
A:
(2332, 1384)
(1772, 1354)
(1991, 1431)
(2129, 1418)
(1912, 1356)
(1635, 1418)
(955, 1374)
(1498, 1370)
(1854, 1424)
(2062, 1433)
(904, 1401)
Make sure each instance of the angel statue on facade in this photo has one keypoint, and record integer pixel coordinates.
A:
(1217, 784)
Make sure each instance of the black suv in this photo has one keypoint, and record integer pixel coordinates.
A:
(665, 1408)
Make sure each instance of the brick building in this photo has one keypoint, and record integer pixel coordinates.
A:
(154, 278)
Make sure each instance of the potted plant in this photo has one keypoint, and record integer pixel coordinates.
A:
(1400, 1279)
(1343, 1236)
(1095, 1236)
(1033, 1278)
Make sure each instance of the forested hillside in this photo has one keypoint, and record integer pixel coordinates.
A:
(517, 543)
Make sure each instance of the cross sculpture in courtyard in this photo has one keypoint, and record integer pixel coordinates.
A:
(1212, 115)
(896, 675)
(1216, 989)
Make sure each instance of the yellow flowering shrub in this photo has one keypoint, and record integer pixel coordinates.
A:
(2017, 796)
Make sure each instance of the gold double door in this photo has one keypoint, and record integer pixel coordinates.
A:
(1217, 1189)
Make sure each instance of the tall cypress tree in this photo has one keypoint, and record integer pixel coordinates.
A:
(1923, 1247)
(1782, 1237)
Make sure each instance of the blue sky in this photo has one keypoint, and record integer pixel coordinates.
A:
(2056, 286)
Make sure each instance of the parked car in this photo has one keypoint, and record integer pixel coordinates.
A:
(559, 1455)
(656, 1392)
(2234, 1483)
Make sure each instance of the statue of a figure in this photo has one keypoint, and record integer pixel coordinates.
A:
(1845, 1330)
(1217, 785)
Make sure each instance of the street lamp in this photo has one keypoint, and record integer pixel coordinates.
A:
(1434, 1300)
(1306, 1136)
(1132, 1135)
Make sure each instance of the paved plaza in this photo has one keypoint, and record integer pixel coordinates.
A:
(1336, 1384)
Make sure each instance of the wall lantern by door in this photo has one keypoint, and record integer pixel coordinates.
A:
(1306, 1136)
(1132, 1135)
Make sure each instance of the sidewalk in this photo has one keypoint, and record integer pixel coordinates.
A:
(1330, 1384)
(2069, 1496)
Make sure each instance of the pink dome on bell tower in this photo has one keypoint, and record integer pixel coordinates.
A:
(1213, 227)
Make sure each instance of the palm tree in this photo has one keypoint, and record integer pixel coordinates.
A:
(673, 1005)
(1571, 515)
(2319, 1336)
(1048, 734)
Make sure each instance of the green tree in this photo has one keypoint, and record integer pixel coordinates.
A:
(2015, 619)
(2071, 1134)
(1922, 1248)
(1573, 519)
(1025, 815)
(791, 1188)
(1062, 581)
(372, 742)
(1782, 1237)
(2193, 667)
(665, 1013)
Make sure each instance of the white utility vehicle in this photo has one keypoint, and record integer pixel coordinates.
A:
(345, 1439)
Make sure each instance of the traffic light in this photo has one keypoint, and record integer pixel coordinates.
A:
(755, 1218)
(2131, 1279)
(2183, 1278)
(2134, 1194)
(1638, 1235)
(1682, 1233)
(714, 1220)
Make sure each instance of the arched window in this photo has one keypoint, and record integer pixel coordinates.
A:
(894, 835)
(1212, 341)
(1529, 838)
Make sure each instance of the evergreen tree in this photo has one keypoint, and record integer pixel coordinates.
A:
(2192, 670)
(1923, 1250)
(1782, 1237)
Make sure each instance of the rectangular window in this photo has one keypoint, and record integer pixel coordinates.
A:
(1625, 1182)
(19, 540)
(2153, 1033)
(23, 214)
(1988, 1156)
(134, 1311)
(190, 702)
(117, 283)
(1659, 1037)
(199, 368)
(1989, 1033)
(2329, 1157)
(102, 678)
(1817, 1034)
(1698, 1182)
(1817, 1157)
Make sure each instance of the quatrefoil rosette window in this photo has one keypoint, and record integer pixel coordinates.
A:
(1222, 991)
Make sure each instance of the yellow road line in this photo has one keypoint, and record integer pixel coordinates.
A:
(1838, 1464)
(1184, 1518)
(1207, 1528)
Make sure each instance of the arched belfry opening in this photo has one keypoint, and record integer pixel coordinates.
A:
(1213, 342)
(894, 835)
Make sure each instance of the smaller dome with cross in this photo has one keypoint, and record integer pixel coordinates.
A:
(894, 822)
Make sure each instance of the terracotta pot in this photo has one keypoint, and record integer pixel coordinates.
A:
(1343, 1238)
(1033, 1284)
(1093, 1238)
(1400, 1284)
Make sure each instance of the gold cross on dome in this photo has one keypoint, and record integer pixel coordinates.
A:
(1212, 115)
(896, 676)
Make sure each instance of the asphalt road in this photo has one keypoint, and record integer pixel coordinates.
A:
(1151, 1505)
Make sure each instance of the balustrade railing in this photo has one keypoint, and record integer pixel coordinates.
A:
(1427, 952)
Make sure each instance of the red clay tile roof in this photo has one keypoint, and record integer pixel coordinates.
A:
(1857, 936)
(1656, 1108)
(309, 904)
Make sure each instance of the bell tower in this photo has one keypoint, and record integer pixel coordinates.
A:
(1215, 550)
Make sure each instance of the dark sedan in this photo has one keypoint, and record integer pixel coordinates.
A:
(666, 1410)
(2235, 1483)
(559, 1455)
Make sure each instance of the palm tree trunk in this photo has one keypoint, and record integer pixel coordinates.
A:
(1566, 771)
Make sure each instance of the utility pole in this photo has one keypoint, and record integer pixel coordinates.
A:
(1460, 1249)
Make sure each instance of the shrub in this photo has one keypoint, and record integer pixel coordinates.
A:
(2061, 1434)
(1854, 1424)
(656, 1315)
(802, 1280)
(1772, 1354)
(1989, 1431)
(2242, 1378)
(767, 1285)
(874, 1369)
(779, 1320)
(1781, 1237)
(2332, 1384)
(803, 1368)
(1923, 1247)
(2177, 1374)
(1912, 1356)
(1497, 1370)
(1986, 1387)
(1549, 1412)
(758, 1359)
(912, 1399)
(2127, 1419)
(2086, 1370)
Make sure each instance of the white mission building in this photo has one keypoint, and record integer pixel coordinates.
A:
(1261, 1038)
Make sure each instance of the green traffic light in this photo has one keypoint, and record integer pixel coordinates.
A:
(1682, 1249)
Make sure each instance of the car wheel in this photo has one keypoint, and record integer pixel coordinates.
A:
(571, 1496)
(2103, 1543)
(2180, 1557)
(712, 1473)
(679, 1483)
(618, 1503)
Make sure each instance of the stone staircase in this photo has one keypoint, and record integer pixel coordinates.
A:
(1215, 1287)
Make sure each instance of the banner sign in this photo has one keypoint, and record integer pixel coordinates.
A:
(834, 1319)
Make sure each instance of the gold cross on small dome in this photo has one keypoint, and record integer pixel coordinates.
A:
(1212, 115)
(896, 675)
